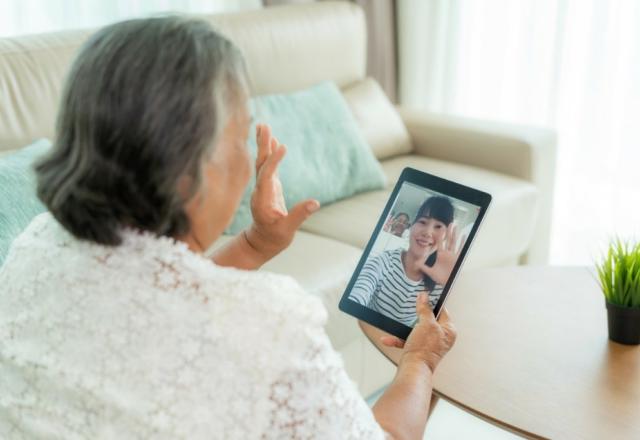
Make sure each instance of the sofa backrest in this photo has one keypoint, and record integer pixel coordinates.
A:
(287, 48)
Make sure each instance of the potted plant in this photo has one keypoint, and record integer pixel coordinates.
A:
(619, 274)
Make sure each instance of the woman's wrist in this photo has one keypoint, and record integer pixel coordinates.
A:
(241, 253)
(262, 248)
(414, 361)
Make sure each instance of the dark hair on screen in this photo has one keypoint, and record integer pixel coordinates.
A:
(143, 104)
(439, 208)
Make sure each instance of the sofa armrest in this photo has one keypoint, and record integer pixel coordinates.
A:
(528, 153)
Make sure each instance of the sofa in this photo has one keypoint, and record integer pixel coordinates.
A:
(289, 48)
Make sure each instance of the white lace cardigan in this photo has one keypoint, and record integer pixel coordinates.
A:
(150, 340)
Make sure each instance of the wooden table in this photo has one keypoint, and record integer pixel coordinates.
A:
(533, 355)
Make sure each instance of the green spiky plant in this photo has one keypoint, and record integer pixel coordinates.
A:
(619, 273)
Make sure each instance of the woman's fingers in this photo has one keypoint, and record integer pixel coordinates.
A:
(267, 145)
(270, 166)
(444, 319)
(263, 141)
(443, 245)
(392, 341)
(300, 212)
(270, 153)
(451, 238)
(462, 242)
(423, 310)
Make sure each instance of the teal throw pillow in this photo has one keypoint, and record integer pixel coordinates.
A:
(18, 201)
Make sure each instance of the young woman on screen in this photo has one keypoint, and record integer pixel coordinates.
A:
(390, 282)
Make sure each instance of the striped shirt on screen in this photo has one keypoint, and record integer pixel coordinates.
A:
(384, 287)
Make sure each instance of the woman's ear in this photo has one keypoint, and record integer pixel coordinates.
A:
(185, 187)
(191, 195)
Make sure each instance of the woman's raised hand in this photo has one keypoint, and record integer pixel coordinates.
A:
(447, 254)
(273, 226)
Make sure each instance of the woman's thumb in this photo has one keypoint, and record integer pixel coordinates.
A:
(300, 212)
(423, 310)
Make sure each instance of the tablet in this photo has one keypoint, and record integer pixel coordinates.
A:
(418, 245)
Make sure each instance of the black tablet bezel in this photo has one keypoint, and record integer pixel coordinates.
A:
(429, 182)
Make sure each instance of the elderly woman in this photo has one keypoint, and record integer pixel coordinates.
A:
(112, 322)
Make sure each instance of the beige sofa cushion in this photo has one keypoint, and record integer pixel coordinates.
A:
(503, 238)
(287, 48)
(290, 48)
(32, 70)
(378, 119)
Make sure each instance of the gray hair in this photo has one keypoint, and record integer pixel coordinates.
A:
(143, 105)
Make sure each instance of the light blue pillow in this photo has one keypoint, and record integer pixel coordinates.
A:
(18, 201)
(327, 156)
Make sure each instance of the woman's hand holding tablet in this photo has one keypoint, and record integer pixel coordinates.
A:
(393, 271)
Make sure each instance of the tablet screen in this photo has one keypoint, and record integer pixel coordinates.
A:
(414, 251)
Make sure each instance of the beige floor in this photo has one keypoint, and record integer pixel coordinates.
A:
(448, 422)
